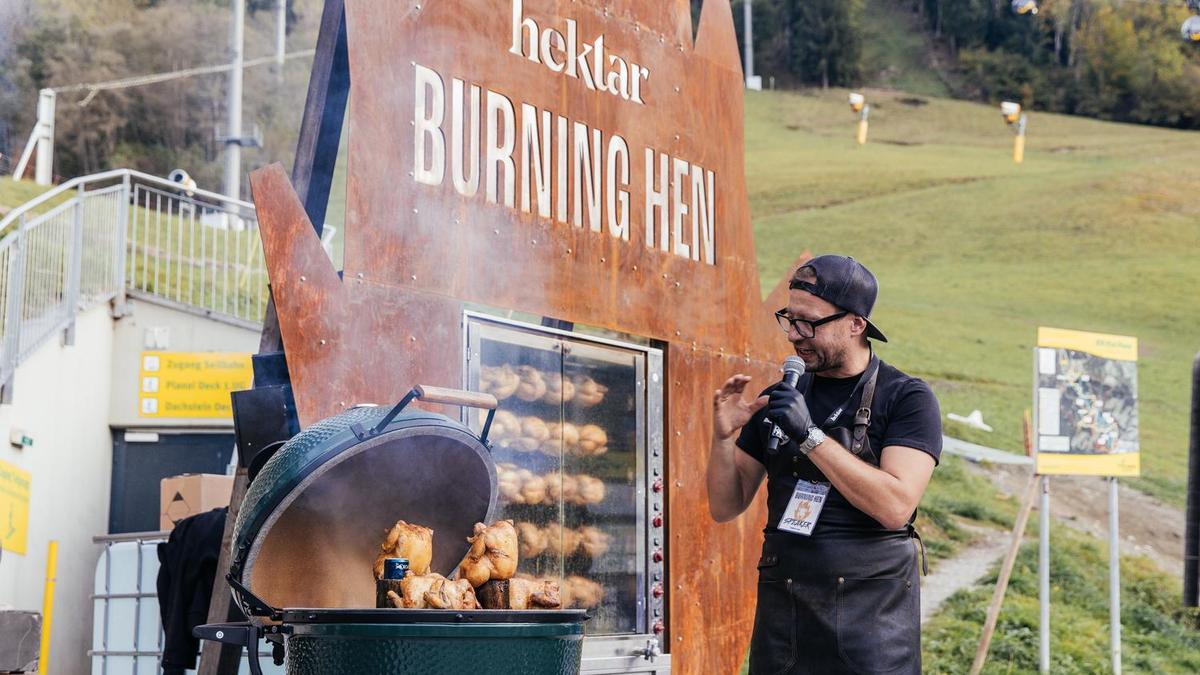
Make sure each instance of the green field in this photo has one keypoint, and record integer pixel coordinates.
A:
(1096, 231)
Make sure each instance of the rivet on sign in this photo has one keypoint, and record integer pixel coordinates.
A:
(568, 251)
(410, 174)
(495, 231)
(360, 275)
(457, 221)
(412, 338)
(664, 275)
(677, 90)
(603, 260)
(676, 136)
(676, 284)
(342, 403)
(414, 277)
(322, 342)
(534, 241)
(635, 268)
(303, 278)
(677, 332)
(415, 211)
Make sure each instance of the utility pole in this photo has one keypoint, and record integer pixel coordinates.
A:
(233, 134)
(748, 39)
(280, 36)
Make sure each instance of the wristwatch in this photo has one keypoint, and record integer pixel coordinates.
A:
(815, 438)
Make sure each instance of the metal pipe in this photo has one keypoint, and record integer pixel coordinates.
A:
(1114, 575)
(1044, 577)
(233, 134)
(1191, 543)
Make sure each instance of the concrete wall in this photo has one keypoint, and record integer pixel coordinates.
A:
(60, 398)
(68, 399)
(183, 331)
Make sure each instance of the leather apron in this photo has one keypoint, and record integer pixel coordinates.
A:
(845, 600)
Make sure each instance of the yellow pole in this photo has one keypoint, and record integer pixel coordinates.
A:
(48, 606)
(1019, 142)
(862, 132)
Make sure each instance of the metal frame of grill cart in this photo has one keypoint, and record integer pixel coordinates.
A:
(624, 632)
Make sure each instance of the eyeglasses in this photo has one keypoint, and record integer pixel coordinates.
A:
(803, 327)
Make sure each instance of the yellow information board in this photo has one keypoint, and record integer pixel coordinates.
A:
(1086, 412)
(191, 384)
(14, 508)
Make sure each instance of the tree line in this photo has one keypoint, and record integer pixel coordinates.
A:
(1108, 59)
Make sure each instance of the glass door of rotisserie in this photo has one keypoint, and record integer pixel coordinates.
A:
(570, 445)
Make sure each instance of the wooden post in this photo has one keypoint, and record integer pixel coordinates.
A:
(1010, 559)
(312, 175)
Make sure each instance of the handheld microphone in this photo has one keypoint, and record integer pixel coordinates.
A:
(793, 368)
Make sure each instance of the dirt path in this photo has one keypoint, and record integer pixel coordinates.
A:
(1149, 527)
(963, 570)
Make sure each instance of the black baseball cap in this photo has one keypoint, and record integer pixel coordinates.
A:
(845, 282)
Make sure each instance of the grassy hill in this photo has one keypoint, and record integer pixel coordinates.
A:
(1096, 231)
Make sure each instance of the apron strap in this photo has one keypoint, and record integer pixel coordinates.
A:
(912, 532)
(862, 419)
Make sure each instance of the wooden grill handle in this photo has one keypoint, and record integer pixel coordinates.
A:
(445, 396)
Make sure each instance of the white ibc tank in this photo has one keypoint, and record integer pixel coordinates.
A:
(127, 635)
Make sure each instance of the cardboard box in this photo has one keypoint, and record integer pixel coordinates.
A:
(191, 493)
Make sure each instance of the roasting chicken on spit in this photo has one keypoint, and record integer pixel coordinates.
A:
(588, 392)
(493, 554)
(558, 389)
(500, 381)
(533, 539)
(406, 541)
(433, 591)
(533, 383)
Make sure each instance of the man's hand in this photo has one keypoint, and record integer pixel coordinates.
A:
(788, 410)
(730, 412)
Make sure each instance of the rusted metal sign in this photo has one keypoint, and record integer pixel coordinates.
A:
(578, 160)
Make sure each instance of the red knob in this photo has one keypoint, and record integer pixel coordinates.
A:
(657, 486)
(657, 591)
(658, 521)
(659, 628)
(658, 556)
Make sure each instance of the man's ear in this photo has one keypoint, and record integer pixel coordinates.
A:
(858, 325)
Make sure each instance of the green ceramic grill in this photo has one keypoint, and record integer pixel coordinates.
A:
(309, 528)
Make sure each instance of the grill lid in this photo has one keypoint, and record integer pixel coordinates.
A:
(312, 521)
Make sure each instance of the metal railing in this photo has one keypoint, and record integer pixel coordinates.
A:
(90, 239)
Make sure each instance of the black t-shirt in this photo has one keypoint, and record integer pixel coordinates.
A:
(904, 412)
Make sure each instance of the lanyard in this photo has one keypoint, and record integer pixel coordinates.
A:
(836, 414)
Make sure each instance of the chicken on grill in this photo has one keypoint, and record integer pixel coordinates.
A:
(406, 541)
(493, 554)
(433, 591)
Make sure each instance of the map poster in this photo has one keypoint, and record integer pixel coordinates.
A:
(1085, 403)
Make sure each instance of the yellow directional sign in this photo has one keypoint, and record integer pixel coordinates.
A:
(14, 508)
(191, 384)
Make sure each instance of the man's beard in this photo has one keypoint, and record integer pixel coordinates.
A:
(824, 362)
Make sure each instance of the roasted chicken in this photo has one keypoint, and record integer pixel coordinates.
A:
(493, 553)
(406, 541)
(433, 591)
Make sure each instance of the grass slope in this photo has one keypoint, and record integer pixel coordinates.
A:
(1096, 231)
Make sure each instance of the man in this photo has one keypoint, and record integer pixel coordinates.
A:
(838, 590)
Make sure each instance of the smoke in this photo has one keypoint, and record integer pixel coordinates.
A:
(321, 550)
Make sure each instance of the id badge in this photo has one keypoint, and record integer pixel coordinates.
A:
(805, 508)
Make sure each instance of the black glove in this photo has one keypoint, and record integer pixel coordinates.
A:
(788, 410)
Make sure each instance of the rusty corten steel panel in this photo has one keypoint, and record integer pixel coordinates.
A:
(422, 239)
